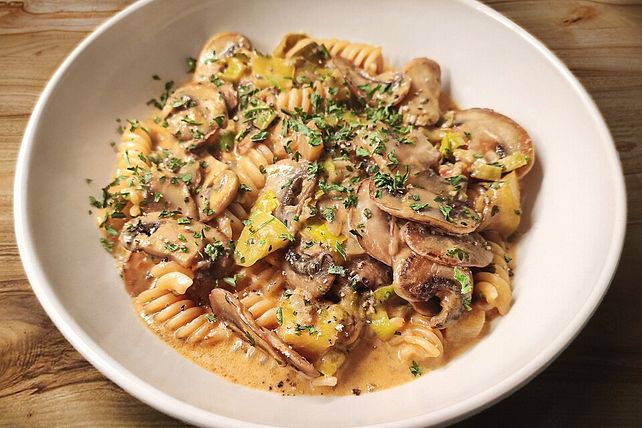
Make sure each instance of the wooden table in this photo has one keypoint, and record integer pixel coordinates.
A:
(597, 381)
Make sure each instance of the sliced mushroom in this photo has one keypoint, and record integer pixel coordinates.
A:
(292, 185)
(450, 250)
(171, 195)
(421, 282)
(495, 136)
(376, 230)
(186, 243)
(194, 113)
(368, 272)
(218, 47)
(231, 311)
(428, 199)
(413, 149)
(387, 88)
(421, 106)
(309, 273)
(218, 190)
(135, 272)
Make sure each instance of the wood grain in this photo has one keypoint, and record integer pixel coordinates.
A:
(596, 382)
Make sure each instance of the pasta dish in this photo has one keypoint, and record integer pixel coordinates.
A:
(315, 221)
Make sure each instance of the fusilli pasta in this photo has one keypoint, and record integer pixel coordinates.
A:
(367, 57)
(418, 341)
(493, 284)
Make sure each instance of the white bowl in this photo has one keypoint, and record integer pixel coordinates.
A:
(575, 200)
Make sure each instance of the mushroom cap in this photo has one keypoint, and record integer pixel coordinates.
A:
(228, 308)
(218, 47)
(421, 105)
(428, 199)
(218, 189)
(414, 149)
(194, 113)
(446, 249)
(368, 272)
(309, 273)
(161, 235)
(176, 196)
(420, 281)
(387, 88)
(492, 131)
(289, 181)
(377, 231)
(135, 268)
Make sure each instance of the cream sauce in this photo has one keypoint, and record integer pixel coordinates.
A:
(372, 365)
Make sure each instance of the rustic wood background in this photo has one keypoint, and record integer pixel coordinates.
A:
(597, 381)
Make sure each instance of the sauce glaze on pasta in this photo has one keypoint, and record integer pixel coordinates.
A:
(336, 224)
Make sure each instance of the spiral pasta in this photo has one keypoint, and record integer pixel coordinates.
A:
(230, 221)
(299, 98)
(418, 341)
(493, 288)
(367, 57)
(250, 169)
(135, 146)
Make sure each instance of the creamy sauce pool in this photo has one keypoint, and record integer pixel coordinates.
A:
(373, 365)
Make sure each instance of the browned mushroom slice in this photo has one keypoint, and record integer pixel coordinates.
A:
(375, 229)
(231, 311)
(171, 195)
(496, 137)
(218, 47)
(310, 273)
(388, 152)
(428, 199)
(185, 241)
(387, 88)
(421, 106)
(194, 113)
(135, 272)
(293, 187)
(218, 190)
(420, 281)
(451, 250)
(368, 272)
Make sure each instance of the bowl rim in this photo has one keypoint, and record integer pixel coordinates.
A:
(174, 407)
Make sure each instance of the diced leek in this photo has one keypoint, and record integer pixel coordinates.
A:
(450, 142)
(382, 325)
(264, 118)
(320, 233)
(328, 166)
(272, 72)
(266, 202)
(383, 293)
(513, 161)
(226, 140)
(312, 339)
(483, 171)
(262, 235)
(234, 70)
(331, 362)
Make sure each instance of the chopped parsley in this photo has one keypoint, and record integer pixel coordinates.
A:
(328, 214)
(415, 370)
(458, 253)
(215, 250)
(463, 280)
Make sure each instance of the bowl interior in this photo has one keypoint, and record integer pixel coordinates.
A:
(574, 205)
